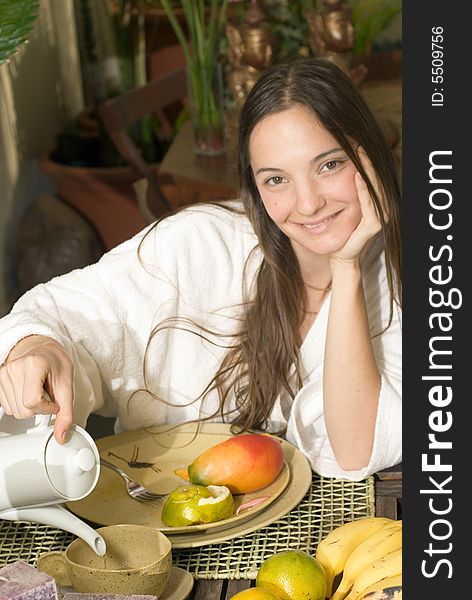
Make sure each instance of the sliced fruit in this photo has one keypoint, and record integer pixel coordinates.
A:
(195, 504)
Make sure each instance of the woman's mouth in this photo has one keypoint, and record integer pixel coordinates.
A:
(320, 225)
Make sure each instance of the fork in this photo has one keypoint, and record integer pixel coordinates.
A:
(134, 489)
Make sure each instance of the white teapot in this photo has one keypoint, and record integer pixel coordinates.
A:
(37, 475)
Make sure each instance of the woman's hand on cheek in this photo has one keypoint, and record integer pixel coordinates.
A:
(369, 225)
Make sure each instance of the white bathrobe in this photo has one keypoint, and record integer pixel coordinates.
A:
(191, 266)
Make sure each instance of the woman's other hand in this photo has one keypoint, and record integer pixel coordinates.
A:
(37, 364)
(369, 225)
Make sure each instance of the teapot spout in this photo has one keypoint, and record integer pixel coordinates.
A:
(57, 516)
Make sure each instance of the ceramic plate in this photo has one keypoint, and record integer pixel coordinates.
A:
(178, 587)
(156, 453)
(299, 484)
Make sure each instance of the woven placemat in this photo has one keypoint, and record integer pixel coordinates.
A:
(26, 541)
(327, 504)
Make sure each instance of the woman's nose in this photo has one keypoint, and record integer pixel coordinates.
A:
(309, 200)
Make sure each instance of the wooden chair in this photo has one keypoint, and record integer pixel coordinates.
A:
(119, 113)
(163, 60)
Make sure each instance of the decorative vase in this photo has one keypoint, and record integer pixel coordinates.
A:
(206, 104)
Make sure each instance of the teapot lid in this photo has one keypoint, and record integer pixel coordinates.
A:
(73, 467)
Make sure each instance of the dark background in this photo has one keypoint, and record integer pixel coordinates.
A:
(426, 129)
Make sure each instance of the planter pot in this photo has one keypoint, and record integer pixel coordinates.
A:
(53, 239)
(87, 122)
(105, 196)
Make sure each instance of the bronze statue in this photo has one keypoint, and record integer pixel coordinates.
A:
(249, 51)
(332, 35)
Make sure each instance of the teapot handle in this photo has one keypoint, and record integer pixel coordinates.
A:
(40, 421)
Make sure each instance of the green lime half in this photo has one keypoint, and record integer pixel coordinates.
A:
(194, 504)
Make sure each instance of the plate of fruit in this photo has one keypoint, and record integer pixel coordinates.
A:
(210, 479)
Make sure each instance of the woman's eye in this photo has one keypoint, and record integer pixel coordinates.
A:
(331, 165)
(276, 180)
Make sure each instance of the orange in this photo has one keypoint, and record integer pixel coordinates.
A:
(254, 594)
(293, 575)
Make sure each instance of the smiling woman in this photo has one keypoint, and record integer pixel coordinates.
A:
(284, 316)
(319, 185)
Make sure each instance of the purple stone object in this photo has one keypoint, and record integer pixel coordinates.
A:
(21, 581)
(77, 596)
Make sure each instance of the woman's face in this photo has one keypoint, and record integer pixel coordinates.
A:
(306, 182)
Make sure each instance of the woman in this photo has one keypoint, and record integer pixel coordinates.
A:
(286, 317)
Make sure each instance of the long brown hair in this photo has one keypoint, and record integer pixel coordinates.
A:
(263, 358)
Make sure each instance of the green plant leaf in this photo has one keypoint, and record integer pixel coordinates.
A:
(370, 18)
(204, 20)
(17, 18)
(167, 6)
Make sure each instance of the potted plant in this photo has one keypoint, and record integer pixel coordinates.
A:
(88, 171)
(370, 19)
(18, 17)
(205, 22)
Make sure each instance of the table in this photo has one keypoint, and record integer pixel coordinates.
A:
(388, 492)
(199, 178)
(387, 497)
(388, 503)
(215, 178)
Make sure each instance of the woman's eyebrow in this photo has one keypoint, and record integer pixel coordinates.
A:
(325, 154)
(315, 159)
(264, 169)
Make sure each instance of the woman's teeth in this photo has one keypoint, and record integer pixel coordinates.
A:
(319, 225)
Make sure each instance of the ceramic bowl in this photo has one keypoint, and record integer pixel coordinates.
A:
(138, 560)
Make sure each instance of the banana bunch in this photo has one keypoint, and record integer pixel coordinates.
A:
(363, 560)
